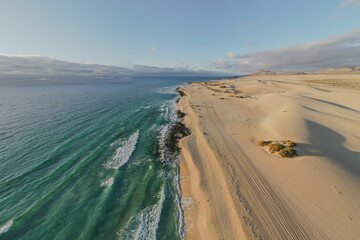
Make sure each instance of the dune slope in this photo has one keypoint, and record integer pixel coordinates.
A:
(237, 190)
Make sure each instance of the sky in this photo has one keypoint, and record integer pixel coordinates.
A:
(233, 36)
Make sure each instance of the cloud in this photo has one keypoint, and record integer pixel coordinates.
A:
(338, 51)
(350, 2)
(153, 49)
(230, 55)
(335, 17)
(37, 65)
(25, 68)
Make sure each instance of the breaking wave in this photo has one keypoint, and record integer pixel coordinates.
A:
(124, 152)
(107, 183)
(147, 222)
(6, 227)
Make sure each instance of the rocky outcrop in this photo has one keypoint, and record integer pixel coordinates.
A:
(340, 70)
(171, 150)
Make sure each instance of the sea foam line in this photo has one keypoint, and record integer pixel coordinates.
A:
(6, 227)
(150, 219)
(124, 152)
(169, 113)
(180, 204)
(168, 90)
(107, 183)
(144, 225)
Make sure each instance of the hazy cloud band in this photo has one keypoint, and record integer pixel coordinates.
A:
(342, 50)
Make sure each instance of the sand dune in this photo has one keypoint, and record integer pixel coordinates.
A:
(239, 190)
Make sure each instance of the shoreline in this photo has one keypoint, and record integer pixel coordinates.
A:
(234, 189)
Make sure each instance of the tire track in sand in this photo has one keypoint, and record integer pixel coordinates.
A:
(267, 215)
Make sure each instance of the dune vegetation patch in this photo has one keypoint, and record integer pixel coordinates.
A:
(287, 152)
(288, 143)
(263, 143)
(283, 148)
(275, 147)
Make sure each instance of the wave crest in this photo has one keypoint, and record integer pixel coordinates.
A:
(6, 227)
(144, 225)
(124, 152)
(107, 183)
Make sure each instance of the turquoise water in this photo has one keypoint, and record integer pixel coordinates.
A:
(82, 161)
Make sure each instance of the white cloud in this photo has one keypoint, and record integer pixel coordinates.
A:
(26, 68)
(153, 49)
(338, 51)
(350, 2)
(230, 55)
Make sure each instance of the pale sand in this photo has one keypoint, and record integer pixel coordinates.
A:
(234, 189)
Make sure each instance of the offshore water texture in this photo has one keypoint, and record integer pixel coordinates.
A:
(82, 161)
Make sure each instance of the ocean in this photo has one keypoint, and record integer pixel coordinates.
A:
(82, 161)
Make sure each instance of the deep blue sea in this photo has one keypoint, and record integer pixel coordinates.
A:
(81, 161)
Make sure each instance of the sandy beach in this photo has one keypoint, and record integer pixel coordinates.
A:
(232, 188)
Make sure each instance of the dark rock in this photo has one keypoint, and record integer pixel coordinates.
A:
(180, 92)
(171, 149)
(180, 114)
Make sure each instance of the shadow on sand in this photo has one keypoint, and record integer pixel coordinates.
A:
(328, 143)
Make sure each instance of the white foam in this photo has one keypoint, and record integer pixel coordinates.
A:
(144, 107)
(168, 110)
(6, 227)
(169, 114)
(127, 232)
(180, 206)
(144, 225)
(173, 108)
(150, 220)
(167, 90)
(161, 138)
(107, 183)
(187, 203)
(140, 162)
(124, 152)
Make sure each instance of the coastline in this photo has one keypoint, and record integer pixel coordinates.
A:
(234, 189)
